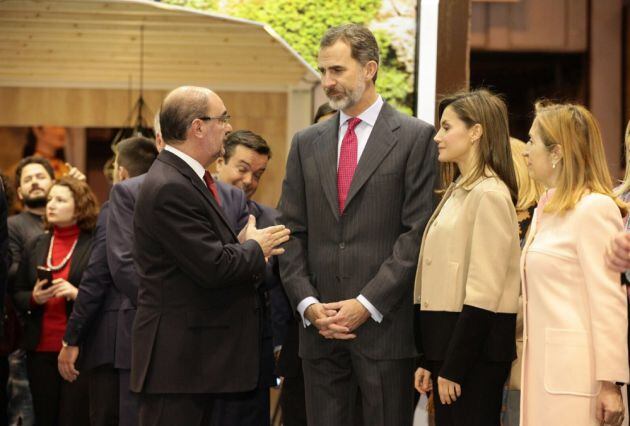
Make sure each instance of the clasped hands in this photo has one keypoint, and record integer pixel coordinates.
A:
(337, 320)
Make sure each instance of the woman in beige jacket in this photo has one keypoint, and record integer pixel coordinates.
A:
(467, 283)
(575, 322)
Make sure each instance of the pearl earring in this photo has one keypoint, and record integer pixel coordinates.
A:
(553, 165)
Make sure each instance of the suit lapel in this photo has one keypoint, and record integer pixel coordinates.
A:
(326, 158)
(185, 169)
(80, 258)
(381, 141)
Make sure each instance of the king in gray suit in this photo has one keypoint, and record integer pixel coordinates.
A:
(357, 195)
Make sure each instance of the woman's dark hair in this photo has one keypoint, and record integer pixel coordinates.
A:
(323, 110)
(489, 111)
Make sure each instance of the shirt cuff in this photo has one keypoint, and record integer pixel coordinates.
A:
(374, 313)
(301, 308)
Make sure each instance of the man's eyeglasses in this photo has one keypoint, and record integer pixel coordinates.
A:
(223, 119)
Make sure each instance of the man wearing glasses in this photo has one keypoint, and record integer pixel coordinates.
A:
(198, 320)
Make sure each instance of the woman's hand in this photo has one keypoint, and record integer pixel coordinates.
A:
(64, 289)
(41, 296)
(609, 406)
(449, 391)
(422, 381)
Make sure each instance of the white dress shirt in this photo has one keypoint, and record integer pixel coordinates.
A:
(363, 131)
(194, 164)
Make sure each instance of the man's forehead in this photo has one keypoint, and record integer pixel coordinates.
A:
(33, 168)
(340, 51)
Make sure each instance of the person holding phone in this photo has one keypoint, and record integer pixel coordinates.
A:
(45, 288)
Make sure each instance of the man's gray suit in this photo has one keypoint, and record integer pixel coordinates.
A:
(372, 250)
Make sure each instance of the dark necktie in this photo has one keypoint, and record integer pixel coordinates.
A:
(347, 162)
(212, 186)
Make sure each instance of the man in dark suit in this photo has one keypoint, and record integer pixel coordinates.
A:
(197, 321)
(93, 322)
(243, 165)
(357, 195)
(120, 239)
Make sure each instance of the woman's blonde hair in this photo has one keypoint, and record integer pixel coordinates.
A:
(583, 166)
(625, 185)
(489, 111)
(529, 191)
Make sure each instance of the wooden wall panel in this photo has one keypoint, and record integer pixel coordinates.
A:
(261, 112)
(530, 25)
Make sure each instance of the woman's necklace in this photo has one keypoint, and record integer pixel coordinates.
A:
(65, 260)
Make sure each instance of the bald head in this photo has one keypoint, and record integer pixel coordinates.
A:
(180, 108)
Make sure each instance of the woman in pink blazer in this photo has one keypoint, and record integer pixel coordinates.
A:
(575, 352)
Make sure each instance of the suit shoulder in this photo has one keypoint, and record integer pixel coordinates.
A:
(232, 191)
(414, 122)
(312, 131)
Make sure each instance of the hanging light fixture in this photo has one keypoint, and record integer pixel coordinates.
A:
(136, 123)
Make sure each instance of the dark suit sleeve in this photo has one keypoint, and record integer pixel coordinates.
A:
(294, 271)
(243, 211)
(281, 313)
(120, 242)
(93, 287)
(16, 247)
(22, 289)
(190, 239)
(4, 250)
(390, 284)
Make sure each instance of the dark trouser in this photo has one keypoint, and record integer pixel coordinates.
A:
(128, 402)
(333, 384)
(176, 409)
(4, 397)
(55, 401)
(292, 401)
(242, 409)
(103, 383)
(481, 398)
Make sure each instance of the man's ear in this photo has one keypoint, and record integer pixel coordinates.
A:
(370, 70)
(122, 173)
(220, 163)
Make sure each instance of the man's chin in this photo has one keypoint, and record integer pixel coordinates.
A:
(35, 202)
(339, 104)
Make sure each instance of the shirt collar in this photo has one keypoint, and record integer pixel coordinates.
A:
(368, 116)
(194, 164)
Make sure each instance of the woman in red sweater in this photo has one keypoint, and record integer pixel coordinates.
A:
(71, 213)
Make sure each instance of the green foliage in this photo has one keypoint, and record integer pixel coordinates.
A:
(195, 4)
(303, 22)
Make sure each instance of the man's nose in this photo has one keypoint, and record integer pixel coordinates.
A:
(327, 82)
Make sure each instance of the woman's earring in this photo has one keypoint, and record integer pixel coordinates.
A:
(553, 165)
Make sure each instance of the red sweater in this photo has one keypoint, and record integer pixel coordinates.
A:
(55, 318)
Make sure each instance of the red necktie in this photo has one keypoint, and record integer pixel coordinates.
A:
(347, 162)
(212, 186)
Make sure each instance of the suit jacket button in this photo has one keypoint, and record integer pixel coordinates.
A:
(426, 304)
(418, 299)
(342, 245)
(427, 261)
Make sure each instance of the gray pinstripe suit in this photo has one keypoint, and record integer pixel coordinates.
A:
(371, 250)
